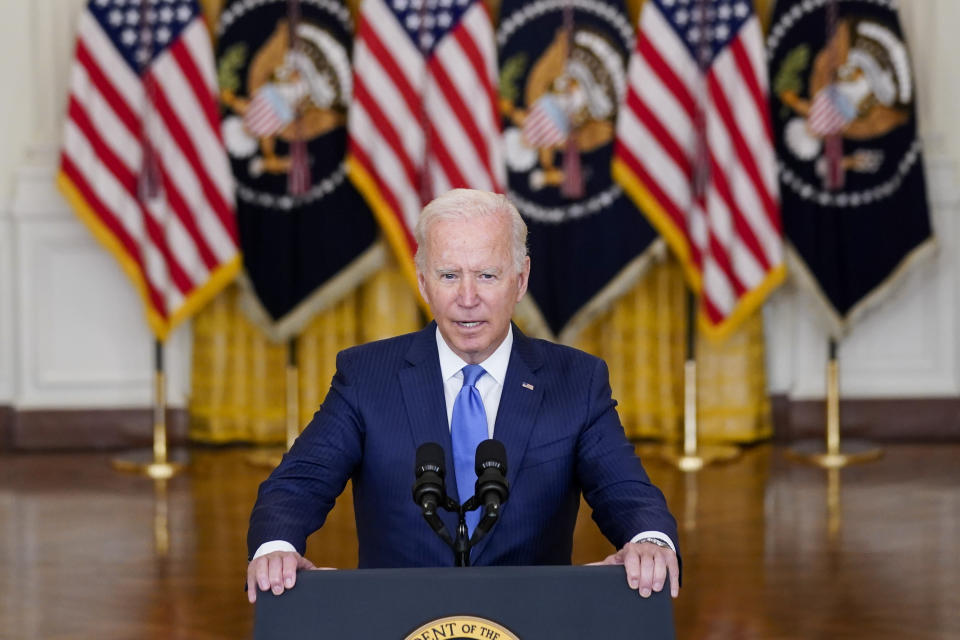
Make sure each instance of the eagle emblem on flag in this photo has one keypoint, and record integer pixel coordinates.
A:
(563, 75)
(869, 95)
(312, 78)
(572, 89)
(286, 81)
(853, 192)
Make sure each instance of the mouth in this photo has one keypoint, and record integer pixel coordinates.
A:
(469, 325)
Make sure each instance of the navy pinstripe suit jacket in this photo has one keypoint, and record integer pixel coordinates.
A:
(562, 437)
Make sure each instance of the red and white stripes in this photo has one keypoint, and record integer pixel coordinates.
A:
(422, 124)
(180, 239)
(676, 116)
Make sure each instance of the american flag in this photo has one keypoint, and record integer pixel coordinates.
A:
(424, 117)
(695, 151)
(830, 112)
(142, 159)
(267, 113)
(546, 124)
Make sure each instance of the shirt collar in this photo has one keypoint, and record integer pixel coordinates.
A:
(495, 365)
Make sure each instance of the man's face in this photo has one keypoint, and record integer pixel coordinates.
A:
(471, 283)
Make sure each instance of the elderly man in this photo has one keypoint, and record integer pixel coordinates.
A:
(467, 376)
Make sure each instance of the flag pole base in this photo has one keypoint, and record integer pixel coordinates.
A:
(831, 452)
(849, 452)
(703, 456)
(145, 463)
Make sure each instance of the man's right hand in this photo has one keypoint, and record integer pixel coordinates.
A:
(274, 572)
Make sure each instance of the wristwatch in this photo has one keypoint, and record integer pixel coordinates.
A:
(656, 541)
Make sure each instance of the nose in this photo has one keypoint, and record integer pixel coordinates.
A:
(467, 295)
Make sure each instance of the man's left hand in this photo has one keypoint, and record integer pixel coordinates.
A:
(647, 566)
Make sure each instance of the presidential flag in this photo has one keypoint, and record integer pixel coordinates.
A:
(142, 161)
(695, 151)
(844, 114)
(286, 83)
(424, 119)
(563, 72)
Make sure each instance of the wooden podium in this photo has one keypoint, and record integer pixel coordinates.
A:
(479, 603)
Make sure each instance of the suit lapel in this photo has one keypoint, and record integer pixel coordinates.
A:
(422, 386)
(517, 414)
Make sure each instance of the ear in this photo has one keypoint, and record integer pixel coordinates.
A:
(523, 278)
(422, 286)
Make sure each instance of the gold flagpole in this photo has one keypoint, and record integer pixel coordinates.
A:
(271, 458)
(156, 464)
(293, 394)
(831, 453)
(692, 456)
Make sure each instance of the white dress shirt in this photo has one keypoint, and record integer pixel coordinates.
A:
(490, 384)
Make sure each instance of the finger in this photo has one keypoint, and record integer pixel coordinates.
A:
(659, 570)
(610, 559)
(289, 570)
(303, 563)
(261, 567)
(251, 584)
(674, 568)
(631, 564)
(646, 573)
(275, 572)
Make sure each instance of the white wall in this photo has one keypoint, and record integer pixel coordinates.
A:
(72, 332)
(7, 355)
(14, 136)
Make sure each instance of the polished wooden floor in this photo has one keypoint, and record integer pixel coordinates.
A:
(772, 549)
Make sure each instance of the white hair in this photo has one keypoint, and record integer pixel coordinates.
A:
(465, 204)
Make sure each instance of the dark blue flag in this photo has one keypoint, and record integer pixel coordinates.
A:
(306, 234)
(562, 77)
(854, 200)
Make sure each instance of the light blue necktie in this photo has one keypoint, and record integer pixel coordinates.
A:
(468, 428)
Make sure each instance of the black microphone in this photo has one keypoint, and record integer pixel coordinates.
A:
(491, 488)
(429, 491)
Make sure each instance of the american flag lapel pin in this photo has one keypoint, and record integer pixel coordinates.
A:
(527, 385)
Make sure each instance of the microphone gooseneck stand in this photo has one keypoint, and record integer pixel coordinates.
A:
(461, 545)
(491, 491)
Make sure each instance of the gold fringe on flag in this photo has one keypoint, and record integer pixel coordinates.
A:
(238, 379)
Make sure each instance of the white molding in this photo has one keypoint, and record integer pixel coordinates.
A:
(53, 43)
(8, 348)
(76, 336)
(16, 108)
(36, 196)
